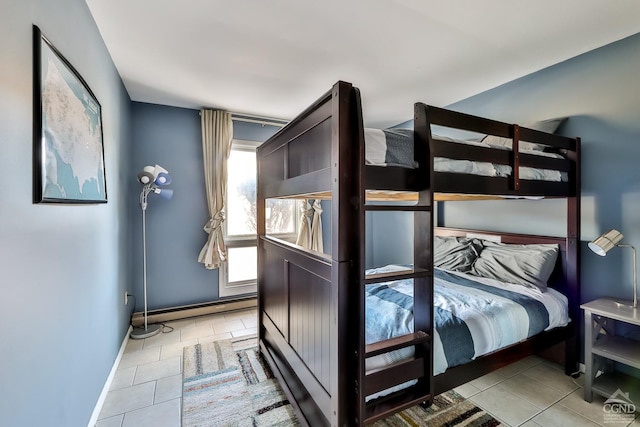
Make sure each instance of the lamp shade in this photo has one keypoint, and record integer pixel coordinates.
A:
(159, 169)
(163, 178)
(154, 175)
(145, 177)
(606, 242)
(165, 193)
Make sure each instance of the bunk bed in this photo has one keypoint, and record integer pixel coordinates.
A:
(311, 306)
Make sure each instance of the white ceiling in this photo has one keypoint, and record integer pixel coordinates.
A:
(274, 58)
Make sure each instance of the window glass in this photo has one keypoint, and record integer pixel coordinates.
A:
(243, 264)
(280, 216)
(240, 226)
(241, 193)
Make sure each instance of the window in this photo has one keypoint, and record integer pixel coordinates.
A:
(239, 274)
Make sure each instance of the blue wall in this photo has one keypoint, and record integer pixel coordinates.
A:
(171, 137)
(599, 93)
(64, 269)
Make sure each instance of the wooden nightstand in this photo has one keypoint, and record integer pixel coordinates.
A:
(600, 345)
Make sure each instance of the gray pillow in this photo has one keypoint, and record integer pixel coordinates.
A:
(548, 126)
(527, 265)
(455, 253)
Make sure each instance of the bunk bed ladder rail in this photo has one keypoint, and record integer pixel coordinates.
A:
(420, 367)
(572, 349)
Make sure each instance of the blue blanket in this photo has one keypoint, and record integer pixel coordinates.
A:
(471, 318)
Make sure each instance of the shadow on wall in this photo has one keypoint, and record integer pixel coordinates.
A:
(611, 199)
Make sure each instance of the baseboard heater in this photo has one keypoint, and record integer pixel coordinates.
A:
(182, 312)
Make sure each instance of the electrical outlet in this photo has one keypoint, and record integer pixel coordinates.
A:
(126, 297)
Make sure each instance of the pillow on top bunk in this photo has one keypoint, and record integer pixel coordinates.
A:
(527, 265)
(548, 126)
(455, 253)
(389, 147)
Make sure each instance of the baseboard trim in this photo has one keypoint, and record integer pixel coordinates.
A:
(182, 312)
(107, 385)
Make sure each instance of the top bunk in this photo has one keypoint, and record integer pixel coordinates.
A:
(326, 151)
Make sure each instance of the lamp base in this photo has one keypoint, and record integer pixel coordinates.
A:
(625, 303)
(141, 333)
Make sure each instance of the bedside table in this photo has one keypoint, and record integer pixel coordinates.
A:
(599, 316)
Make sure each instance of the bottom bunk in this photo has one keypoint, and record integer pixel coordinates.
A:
(298, 327)
(472, 317)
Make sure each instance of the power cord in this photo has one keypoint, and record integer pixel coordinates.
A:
(165, 329)
(574, 376)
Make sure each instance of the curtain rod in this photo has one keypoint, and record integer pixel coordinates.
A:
(264, 121)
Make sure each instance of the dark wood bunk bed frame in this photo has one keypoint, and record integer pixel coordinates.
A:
(311, 306)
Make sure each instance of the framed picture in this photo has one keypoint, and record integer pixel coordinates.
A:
(68, 151)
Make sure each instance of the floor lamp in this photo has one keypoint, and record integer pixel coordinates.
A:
(151, 178)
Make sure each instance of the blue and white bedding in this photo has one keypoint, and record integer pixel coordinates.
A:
(394, 147)
(473, 316)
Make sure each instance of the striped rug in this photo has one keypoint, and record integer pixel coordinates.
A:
(227, 383)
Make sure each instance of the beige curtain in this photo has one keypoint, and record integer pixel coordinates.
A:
(310, 231)
(217, 134)
(316, 228)
(304, 232)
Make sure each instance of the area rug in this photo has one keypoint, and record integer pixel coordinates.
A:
(227, 383)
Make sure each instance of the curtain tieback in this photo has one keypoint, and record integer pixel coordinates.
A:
(306, 211)
(214, 223)
(317, 207)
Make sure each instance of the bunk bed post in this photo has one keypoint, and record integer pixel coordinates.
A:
(423, 244)
(515, 153)
(260, 234)
(572, 345)
(347, 229)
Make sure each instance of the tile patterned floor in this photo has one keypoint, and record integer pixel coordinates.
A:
(147, 388)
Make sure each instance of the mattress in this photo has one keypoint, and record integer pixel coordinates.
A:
(473, 316)
(394, 147)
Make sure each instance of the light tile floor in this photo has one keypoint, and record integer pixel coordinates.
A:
(147, 388)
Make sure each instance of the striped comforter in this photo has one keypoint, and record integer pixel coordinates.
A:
(473, 316)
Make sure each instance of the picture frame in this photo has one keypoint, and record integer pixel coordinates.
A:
(68, 147)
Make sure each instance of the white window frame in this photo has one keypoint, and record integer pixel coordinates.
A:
(225, 288)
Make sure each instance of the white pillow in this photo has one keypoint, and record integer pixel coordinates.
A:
(548, 126)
